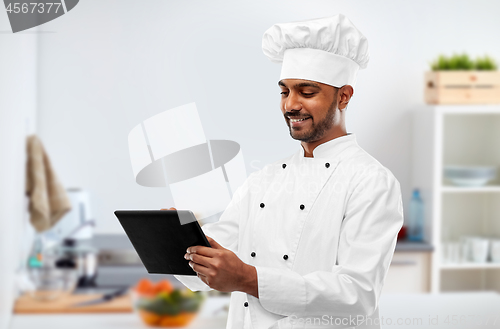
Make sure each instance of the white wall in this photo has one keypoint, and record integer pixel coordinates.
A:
(108, 65)
(18, 62)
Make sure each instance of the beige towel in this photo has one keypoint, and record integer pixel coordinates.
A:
(48, 198)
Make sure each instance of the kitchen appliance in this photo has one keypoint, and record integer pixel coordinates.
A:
(73, 236)
(50, 283)
(82, 256)
(79, 214)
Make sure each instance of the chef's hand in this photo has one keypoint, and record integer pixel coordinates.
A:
(221, 269)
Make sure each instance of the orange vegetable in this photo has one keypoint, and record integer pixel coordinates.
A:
(145, 287)
(150, 318)
(178, 320)
(164, 286)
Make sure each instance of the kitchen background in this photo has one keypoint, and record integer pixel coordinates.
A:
(83, 81)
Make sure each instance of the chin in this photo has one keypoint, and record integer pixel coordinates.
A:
(298, 137)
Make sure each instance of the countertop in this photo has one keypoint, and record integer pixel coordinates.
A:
(454, 310)
(457, 310)
(409, 246)
(121, 242)
(127, 269)
(212, 316)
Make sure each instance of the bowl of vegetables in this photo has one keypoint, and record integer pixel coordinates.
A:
(161, 305)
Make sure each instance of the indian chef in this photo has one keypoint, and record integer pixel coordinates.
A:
(306, 242)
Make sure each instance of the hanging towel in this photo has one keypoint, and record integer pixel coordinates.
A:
(48, 199)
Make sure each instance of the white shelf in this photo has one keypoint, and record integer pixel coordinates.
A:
(468, 266)
(461, 135)
(469, 109)
(481, 189)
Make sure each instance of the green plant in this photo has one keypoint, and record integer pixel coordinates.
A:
(486, 63)
(463, 62)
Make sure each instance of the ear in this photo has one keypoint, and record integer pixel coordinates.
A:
(344, 96)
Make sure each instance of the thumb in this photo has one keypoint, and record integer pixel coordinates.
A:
(214, 243)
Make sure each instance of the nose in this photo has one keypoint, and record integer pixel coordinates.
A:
(292, 102)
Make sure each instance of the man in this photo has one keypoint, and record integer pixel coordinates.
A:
(307, 241)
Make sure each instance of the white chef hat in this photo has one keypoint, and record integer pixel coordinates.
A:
(329, 50)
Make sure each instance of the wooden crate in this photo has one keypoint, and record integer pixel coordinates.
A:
(462, 87)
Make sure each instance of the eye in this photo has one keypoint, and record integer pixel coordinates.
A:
(308, 94)
(284, 92)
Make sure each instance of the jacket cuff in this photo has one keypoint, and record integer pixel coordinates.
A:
(281, 291)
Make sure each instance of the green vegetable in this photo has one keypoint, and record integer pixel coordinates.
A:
(173, 303)
(191, 305)
(161, 306)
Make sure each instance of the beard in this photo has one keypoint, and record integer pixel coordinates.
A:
(317, 130)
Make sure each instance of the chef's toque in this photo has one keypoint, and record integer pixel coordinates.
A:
(329, 50)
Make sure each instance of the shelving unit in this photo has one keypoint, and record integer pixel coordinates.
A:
(457, 135)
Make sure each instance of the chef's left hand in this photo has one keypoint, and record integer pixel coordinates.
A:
(219, 267)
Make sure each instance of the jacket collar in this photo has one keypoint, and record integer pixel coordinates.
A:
(333, 147)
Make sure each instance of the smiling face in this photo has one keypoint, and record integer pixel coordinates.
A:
(311, 111)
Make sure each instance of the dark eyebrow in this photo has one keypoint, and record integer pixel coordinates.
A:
(307, 84)
(302, 84)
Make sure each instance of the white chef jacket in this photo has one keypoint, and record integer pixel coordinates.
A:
(321, 233)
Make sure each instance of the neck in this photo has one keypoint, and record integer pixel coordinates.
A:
(310, 146)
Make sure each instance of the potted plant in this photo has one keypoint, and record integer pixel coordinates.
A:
(458, 79)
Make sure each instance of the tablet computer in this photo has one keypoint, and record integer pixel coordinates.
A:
(161, 238)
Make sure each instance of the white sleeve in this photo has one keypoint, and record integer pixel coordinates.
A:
(372, 220)
(225, 231)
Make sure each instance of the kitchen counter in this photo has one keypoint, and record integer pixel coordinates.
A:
(413, 311)
(409, 246)
(454, 310)
(119, 264)
(212, 316)
(101, 321)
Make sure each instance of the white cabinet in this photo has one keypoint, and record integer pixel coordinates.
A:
(457, 135)
(409, 273)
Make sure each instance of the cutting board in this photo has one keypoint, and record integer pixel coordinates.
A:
(27, 305)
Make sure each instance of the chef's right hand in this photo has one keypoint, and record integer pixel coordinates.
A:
(168, 209)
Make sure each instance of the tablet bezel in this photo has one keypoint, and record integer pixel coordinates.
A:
(138, 236)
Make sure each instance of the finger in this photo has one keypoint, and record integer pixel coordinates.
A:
(203, 278)
(172, 208)
(198, 268)
(201, 250)
(214, 243)
(198, 259)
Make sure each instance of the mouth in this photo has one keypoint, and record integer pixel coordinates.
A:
(297, 122)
